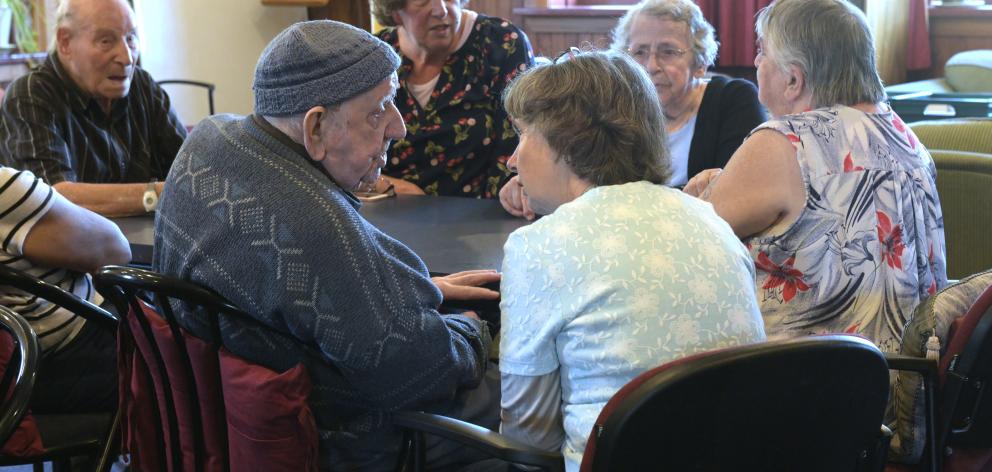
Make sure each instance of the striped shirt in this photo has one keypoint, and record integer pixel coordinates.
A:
(24, 200)
(50, 127)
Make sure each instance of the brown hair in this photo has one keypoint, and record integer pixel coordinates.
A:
(599, 112)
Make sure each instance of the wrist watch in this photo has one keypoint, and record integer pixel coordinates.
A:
(150, 198)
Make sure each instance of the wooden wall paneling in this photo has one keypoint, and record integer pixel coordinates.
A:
(354, 12)
(953, 30)
(551, 35)
(296, 3)
(500, 8)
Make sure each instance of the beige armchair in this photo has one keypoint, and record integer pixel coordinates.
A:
(962, 152)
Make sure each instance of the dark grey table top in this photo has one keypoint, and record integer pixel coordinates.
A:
(450, 234)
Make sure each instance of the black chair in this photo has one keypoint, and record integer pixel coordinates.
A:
(66, 435)
(957, 394)
(178, 409)
(195, 83)
(17, 382)
(811, 404)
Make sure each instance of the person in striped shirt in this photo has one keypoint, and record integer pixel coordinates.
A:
(89, 121)
(46, 236)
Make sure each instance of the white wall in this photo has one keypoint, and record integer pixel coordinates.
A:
(215, 41)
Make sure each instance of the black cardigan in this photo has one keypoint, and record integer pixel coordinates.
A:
(728, 112)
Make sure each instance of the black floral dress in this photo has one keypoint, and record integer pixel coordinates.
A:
(458, 144)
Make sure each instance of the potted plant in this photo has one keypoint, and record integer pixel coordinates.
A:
(15, 20)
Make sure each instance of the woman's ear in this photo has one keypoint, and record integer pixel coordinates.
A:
(796, 87)
(700, 72)
(314, 122)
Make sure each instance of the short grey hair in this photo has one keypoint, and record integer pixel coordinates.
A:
(704, 46)
(840, 70)
(599, 113)
(64, 16)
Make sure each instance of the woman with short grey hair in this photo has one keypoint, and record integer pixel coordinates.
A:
(704, 45)
(706, 119)
(835, 197)
(623, 273)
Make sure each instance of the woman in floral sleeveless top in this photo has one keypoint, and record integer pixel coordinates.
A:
(456, 64)
(834, 197)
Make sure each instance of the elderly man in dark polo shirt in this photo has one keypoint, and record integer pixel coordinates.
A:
(89, 121)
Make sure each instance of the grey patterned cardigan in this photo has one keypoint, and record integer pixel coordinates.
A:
(246, 213)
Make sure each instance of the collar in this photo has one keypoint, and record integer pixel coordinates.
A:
(301, 152)
(82, 101)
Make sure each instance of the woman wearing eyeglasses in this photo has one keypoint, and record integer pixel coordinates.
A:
(706, 120)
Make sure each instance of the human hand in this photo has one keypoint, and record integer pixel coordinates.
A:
(403, 187)
(471, 314)
(699, 184)
(466, 285)
(512, 197)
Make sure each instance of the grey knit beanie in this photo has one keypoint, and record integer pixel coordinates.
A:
(319, 63)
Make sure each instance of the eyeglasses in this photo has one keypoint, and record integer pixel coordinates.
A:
(569, 53)
(664, 55)
(369, 193)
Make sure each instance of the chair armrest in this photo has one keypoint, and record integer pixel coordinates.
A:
(477, 437)
(910, 363)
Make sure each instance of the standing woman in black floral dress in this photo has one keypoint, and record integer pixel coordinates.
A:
(456, 64)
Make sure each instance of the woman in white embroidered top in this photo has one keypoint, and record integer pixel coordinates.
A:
(623, 273)
(835, 197)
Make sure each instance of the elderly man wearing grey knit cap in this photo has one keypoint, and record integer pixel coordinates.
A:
(260, 209)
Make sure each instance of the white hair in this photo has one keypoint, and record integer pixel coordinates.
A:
(704, 46)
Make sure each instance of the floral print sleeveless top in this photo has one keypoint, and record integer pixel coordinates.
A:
(869, 245)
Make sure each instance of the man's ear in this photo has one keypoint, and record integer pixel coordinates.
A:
(62, 37)
(314, 122)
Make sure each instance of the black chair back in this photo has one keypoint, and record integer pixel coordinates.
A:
(125, 287)
(195, 83)
(19, 373)
(966, 397)
(54, 294)
(177, 418)
(93, 434)
(811, 404)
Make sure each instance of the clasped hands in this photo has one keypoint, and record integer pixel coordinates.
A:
(467, 286)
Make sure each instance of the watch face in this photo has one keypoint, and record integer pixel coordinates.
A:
(150, 200)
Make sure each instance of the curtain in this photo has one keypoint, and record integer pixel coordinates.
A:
(733, 21)
(902, 37)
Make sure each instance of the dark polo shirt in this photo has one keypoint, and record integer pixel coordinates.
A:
(50, 127)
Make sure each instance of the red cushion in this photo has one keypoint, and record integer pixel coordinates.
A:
(969, 460)
(205, 369)
(270, 425)
(25, 440)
